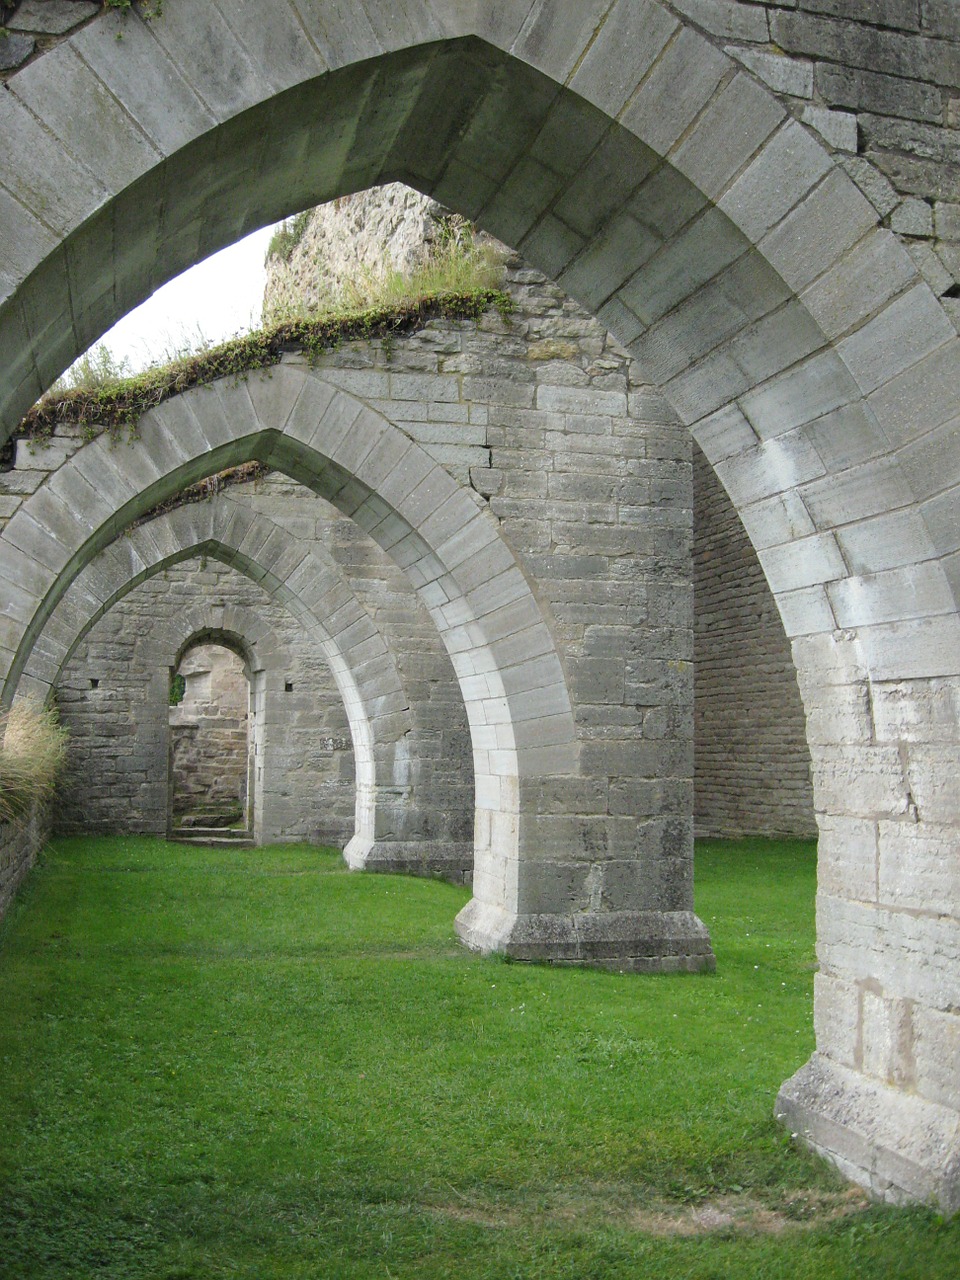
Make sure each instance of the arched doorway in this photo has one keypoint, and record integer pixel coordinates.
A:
(210, 740)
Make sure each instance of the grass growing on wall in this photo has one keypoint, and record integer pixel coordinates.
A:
(461, 278)
(105, 401)
(457, 262)
(255, 1064)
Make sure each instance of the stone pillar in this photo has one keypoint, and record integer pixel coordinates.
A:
(880, 1097)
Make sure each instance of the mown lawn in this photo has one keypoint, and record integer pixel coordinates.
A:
(256, 1065)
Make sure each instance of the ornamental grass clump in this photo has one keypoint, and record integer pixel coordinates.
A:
(32, 749)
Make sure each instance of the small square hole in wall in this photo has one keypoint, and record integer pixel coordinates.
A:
(94, 684)
(288, 686)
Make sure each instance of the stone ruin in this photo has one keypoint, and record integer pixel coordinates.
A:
(760, 201)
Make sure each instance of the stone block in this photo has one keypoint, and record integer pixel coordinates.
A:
(847, 860)
(838, 716)
(693, 258)
(918, 869)
(886, 1036)
(732, 129)
(921, 398)
(929, 462)
(622, 52)
(911, 591)
(886, 542)
(937, 1051)
(906, 955)
(912, 217)
(115, 151)
(676, 90)
(837, 128)
(836, 1018)
(789, 166)
(935, 781)
(857, 493)
(898, 53)
(15, 49)
(792, 76)
(874, 184)
(727, 19)
(917, 649)
(774, 466)
(805, 612)
(931, 267)
(779, 519)
(50, 183)
(50, 17)
(872, 788)
(276, 48)
(862, 90)
(554, 40)
(211, 59)
(874, 271)
(818, 231)
(908, 329)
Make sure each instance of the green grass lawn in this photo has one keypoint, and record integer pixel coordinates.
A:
(254, 1064)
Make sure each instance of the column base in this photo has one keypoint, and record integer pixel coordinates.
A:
(899, 1147)
(443, 860)
(633, 941)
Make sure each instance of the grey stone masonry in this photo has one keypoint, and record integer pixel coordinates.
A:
(556, 457)
(753, 266)
(114, 701)
(878, 81)
(751, 760)
(20, 842)
(210, 740)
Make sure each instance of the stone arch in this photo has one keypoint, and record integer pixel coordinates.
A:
(625, 154)
(309, 585)
(502, 651)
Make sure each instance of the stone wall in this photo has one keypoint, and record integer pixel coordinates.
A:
(114, 701)
(344, 245)
(20, 842)
(432, 782)
(878, 82)
(308, 766)
(555, 465)
(752, 763)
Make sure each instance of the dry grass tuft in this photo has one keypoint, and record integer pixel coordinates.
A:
(459, 263)
(32, 749)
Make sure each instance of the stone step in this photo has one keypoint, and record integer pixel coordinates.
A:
(214, 836)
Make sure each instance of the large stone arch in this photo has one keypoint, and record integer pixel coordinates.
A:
(629, 157)
(541, 886)
(398, 825)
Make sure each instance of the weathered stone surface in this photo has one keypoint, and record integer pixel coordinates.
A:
(752, 771)
(20, 842)
(838, 128)
(902, 1147)
(15, 49)
(50, 17)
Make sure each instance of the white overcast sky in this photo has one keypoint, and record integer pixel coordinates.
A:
(219, 297)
